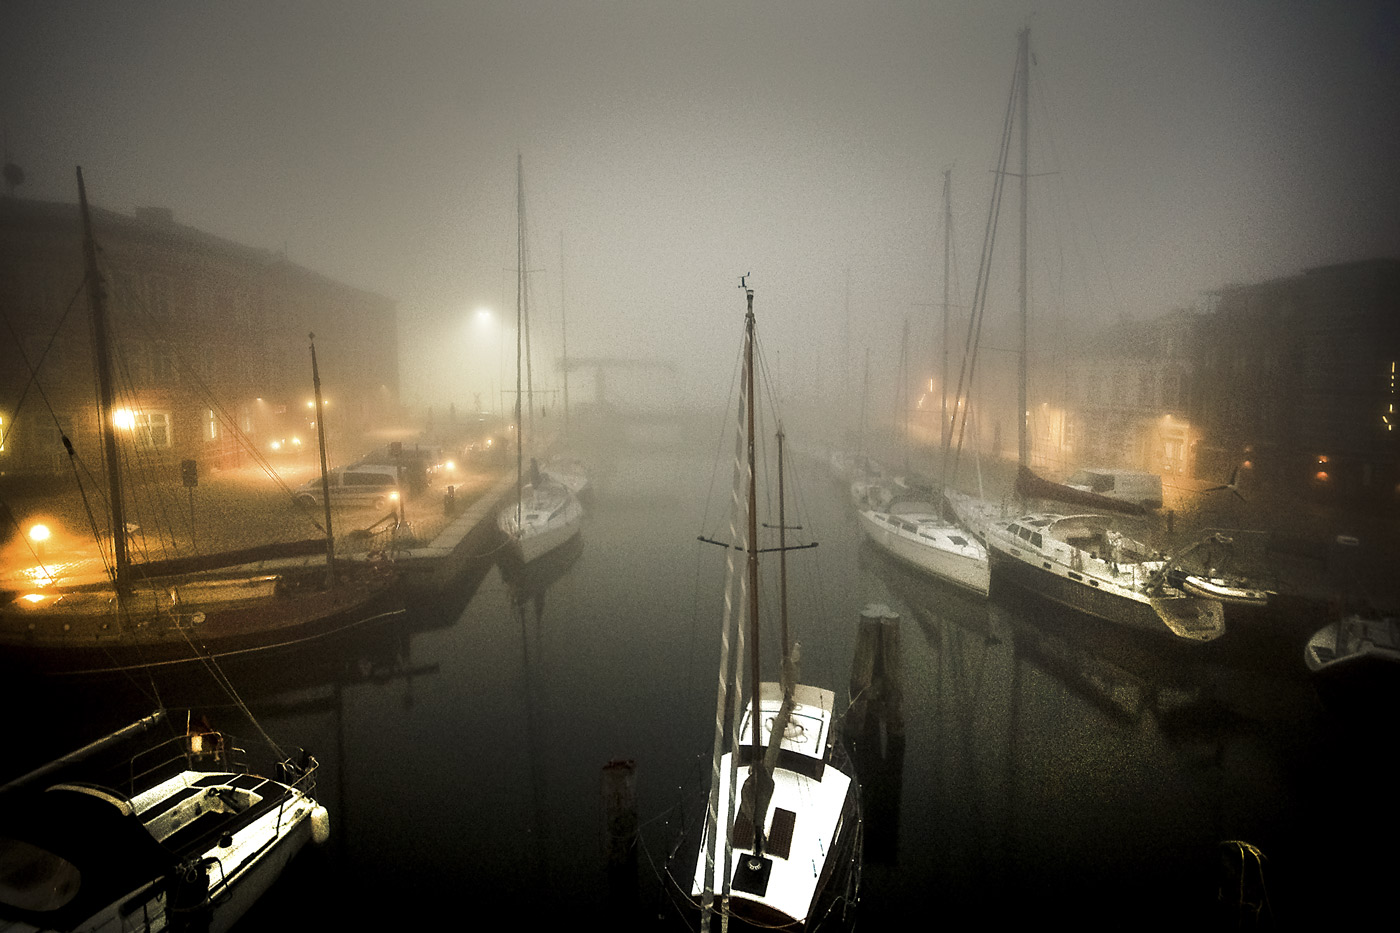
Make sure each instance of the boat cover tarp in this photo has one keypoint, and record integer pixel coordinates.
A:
(1031, 486)
(112, 851)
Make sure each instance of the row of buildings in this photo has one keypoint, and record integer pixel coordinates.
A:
(209, 343)
(1290, 383)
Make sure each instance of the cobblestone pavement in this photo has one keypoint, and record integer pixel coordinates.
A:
(228, 510)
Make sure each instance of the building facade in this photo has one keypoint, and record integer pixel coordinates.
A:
(209, 343)
(1297, 381)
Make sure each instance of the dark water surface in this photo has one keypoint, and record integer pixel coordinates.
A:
(1052, 769)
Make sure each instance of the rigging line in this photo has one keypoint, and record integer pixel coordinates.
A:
(979, 300)
(36, 366)
(149, 320)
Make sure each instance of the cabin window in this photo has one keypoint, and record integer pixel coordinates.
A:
(959, 540)
(1036, 539)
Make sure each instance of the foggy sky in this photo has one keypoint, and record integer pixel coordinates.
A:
(669, 148)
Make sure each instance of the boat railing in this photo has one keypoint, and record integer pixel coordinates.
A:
(195, 751)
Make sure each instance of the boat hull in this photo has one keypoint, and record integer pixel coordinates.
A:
(811, 868)
(1032, 572)
(87, 637)
(966, 567)
(541, 536)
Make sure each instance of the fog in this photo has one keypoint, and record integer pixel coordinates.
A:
(670, 148)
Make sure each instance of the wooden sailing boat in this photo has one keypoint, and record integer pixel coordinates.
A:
(545, 512)
(1083, 561)
(183, 610)
(782, 833)
(913, 530)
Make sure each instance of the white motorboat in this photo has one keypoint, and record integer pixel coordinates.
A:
(191, 851)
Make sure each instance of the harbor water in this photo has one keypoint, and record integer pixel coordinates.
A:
(1045, 767)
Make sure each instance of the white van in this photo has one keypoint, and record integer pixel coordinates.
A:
(1135, 486)
(368, 484)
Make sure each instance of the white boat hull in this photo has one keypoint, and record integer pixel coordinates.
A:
(936, 548)
(807, 850)
(1354, 642)
(542, 522)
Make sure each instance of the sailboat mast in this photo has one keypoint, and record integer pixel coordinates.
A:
(106, 398)
(325, 472)
(945, 428)
(788, 678)
(1023, 403)
(519, 338)
(755, 717)
(563, 334)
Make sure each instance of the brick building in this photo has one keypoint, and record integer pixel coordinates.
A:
(1297, 378)
(209, 342)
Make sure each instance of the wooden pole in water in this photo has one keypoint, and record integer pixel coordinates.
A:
(876, 689)
(620, 810)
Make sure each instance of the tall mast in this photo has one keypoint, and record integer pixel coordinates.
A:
(788, 674)
(106, 398)
(753, 525)
(325, 472)
(945, 428)
(519, 338)
(1023, 409)
(563, 334)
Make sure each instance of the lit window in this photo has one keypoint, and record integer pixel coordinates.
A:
(151, 429)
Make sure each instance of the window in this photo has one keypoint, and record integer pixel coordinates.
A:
(151, 429)
(211, 425)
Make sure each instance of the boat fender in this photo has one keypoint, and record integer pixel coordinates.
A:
(320, 825)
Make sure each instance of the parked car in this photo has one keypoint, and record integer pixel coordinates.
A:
(367, 484)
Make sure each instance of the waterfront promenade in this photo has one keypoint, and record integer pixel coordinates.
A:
(244, 508)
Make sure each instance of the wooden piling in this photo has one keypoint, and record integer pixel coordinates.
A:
(877, 695)
(620, 812)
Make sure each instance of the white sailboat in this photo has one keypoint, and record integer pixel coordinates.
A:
(915, 531)
(782, 833)
(1081, 560)
(189, 847)
(545, 513)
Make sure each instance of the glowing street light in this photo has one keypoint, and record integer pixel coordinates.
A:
(39, 534)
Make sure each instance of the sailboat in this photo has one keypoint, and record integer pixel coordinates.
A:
(181, 610)
(1081, 560)
(914, 530)
(781, 847)
(171, 835)
(545, 513)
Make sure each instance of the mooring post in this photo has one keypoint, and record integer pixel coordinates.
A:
(620, 811)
